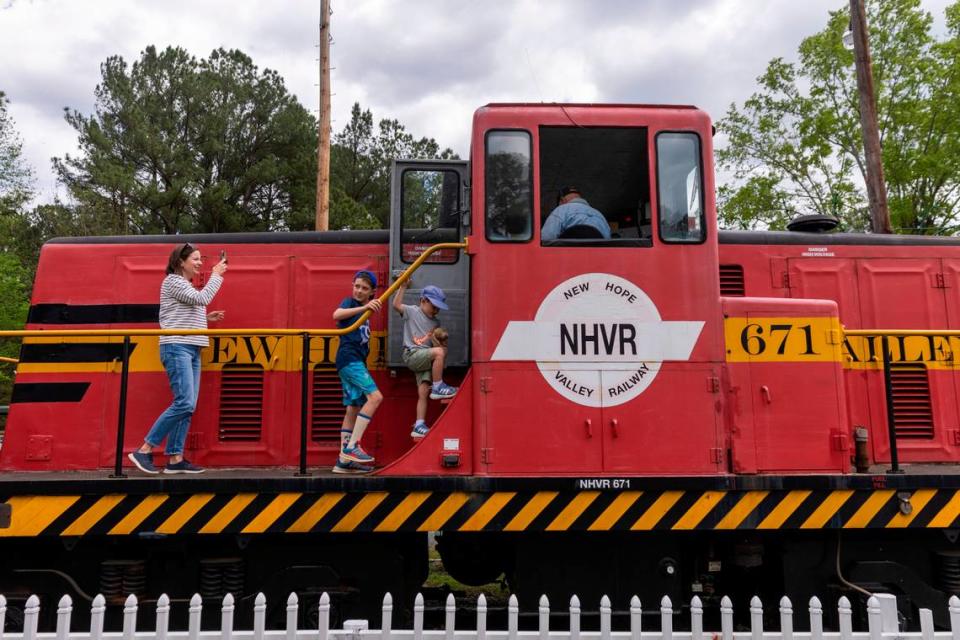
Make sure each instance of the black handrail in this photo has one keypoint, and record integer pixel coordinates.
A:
(304, 388)
(891, 417)
(122, 415)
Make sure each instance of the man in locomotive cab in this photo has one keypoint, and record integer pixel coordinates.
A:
(574, 218)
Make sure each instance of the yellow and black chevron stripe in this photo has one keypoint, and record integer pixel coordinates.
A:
(393, 511)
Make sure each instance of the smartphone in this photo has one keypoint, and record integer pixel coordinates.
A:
(223, 256)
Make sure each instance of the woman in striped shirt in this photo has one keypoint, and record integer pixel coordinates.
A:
(181, 307)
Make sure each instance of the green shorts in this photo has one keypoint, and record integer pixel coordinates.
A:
(420, 361)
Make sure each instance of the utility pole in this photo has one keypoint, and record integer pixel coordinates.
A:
(876, 187)
(323, 138)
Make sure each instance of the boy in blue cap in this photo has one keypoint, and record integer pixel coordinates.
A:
(420, 354)
(360, 394)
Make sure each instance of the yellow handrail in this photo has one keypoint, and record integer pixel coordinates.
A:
(894, 333)
(62, 333)
(10, 360)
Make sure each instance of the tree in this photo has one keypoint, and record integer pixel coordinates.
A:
(178, 144)
(16, 177)
(16, 190)
(360, 161)
(795, 146)
(14, 302)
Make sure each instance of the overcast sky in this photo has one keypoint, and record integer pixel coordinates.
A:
(428, 63)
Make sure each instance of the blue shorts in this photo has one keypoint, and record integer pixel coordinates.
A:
(357, 384)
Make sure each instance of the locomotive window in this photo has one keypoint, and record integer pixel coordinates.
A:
(430, 206)
(508, 185)
(609, 168)
(680, 188)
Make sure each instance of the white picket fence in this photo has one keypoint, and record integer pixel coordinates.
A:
(881, 618)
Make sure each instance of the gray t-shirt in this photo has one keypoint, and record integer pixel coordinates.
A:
(417, 327)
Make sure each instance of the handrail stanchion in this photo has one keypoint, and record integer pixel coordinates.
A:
(122, 415)
(304, 389)
(891, 419)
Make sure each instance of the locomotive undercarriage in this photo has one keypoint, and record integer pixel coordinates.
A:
(921, 568)
(349, 568)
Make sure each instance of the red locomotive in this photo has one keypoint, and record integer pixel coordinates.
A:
(679, 406)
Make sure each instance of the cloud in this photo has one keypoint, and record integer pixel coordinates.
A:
(428, 63)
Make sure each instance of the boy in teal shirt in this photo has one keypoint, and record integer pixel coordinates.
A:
(360, 394)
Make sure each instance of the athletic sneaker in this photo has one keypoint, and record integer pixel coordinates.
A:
(143, 461)
(355, 454)
(349, 466)
(419, 431)
(183, 466)
(442, 391)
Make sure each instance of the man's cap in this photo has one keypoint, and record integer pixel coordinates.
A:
(565, 191)
(435, 295)
(363, 273)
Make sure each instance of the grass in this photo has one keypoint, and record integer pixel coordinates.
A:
(441, 580)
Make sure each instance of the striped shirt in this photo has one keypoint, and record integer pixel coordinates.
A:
(183, 307)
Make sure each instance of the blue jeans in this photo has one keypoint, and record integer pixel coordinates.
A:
(182, 362)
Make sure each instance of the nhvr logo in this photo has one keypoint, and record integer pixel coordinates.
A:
(598, 340)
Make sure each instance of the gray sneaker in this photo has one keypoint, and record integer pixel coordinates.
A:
(419, 432)
(184, 466)
(442, 391)
(349, 466)
(143, 461)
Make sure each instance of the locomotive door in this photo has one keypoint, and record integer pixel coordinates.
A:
(637, 439)
(951, 272)
(243, 394)
(529, 428)
(909, 294)
(428, 205)
(795, 429)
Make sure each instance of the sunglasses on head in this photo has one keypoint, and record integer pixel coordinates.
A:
(187, 250)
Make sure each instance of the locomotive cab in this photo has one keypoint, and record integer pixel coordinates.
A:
(607, 339)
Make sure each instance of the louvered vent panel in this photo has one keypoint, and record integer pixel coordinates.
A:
(327, 407)
(912, 411)
(731, 280)
(241, 403)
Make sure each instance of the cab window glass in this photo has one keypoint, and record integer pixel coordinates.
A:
(679, 188)
(508, 187)
(594, 187)
(430, 206)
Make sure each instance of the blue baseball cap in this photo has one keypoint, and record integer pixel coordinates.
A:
(363, 273)
(435, 295)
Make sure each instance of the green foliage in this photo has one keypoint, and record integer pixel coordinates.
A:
(360, 160)
(178, 144)
(16, 179)
(795, 145)
(16, 190)
(14, 283)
